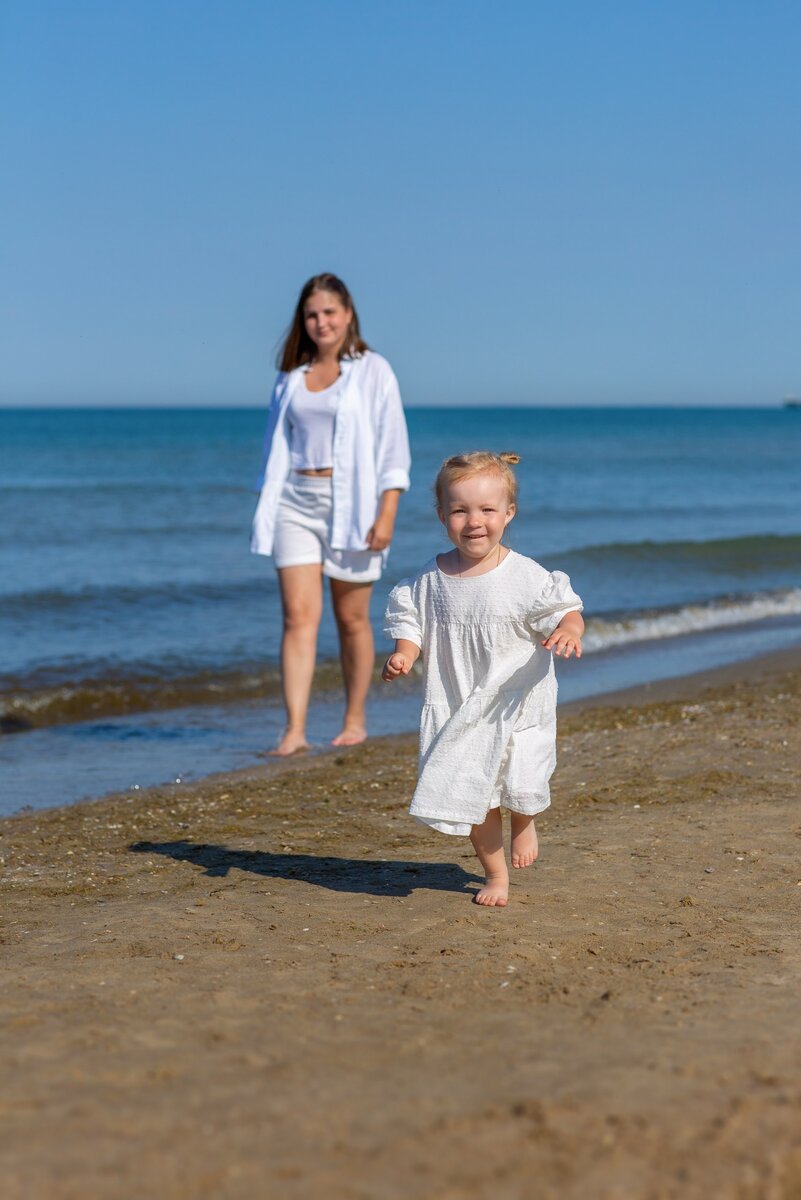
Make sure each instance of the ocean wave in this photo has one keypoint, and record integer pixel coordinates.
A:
(70, 694)
(48, 601)
(51, 698)
(751, 553)
(116, 487)
(605, 632)
(736, 556)
(572, 509)
(112, 533)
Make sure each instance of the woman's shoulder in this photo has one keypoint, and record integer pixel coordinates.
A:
(284, 378)
(373, 364)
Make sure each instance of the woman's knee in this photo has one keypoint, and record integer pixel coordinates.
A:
(353, 624)
(301, 619)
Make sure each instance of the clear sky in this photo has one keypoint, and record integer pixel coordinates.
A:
(593, 202)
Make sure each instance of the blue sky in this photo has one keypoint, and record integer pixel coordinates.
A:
(532, 203)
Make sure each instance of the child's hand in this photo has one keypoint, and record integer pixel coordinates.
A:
(564, 643)
(396, 664)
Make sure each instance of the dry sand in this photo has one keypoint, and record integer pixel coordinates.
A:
(275, 984)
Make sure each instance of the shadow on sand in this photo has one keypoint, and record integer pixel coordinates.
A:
(356, 875)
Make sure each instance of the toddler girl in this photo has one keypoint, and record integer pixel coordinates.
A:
(484, 618)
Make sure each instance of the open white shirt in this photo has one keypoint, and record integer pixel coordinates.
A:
(370, 451)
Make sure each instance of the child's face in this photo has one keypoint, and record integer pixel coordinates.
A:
(475, 514)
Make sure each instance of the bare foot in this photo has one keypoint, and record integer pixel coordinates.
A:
(291, 743)
(524, 840)
(351, 735)
(495, 892)
(487, 842)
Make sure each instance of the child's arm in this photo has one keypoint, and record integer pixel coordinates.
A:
(401, 662)
(566, 638)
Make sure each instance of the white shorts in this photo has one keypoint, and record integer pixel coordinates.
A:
(303, 533)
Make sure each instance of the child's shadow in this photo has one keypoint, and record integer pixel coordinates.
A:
(368, 875)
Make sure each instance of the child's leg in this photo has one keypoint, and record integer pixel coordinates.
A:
(524, 840)
(487, 842)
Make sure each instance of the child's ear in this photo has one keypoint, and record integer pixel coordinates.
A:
(441, 516)
(510, 512)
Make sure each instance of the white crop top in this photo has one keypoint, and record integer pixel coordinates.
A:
(310, 419)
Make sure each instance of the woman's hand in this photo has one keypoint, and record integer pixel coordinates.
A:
(397, 664)
(379, 535)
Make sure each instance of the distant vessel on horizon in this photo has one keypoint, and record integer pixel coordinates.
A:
(792, 401)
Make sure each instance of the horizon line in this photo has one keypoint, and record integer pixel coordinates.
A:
(216, 406)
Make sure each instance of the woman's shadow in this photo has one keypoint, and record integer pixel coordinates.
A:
(371, 876)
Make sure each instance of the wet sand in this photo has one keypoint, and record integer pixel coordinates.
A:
(275, 984)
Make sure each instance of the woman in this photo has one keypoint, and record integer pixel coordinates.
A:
(336, 462)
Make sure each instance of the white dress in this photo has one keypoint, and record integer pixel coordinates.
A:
(488, 725)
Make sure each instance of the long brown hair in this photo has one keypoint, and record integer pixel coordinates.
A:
(298, 348)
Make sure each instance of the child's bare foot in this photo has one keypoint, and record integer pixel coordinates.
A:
(495, 891)
(291, 743)
(487, 842)
(351, 735)
(524, 840)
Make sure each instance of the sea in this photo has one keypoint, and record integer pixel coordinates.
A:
(139, 637)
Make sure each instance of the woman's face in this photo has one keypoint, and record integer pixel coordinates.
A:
(327, 320)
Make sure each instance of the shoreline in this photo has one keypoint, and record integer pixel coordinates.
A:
(660, 691)
(640, 695)
(66, 702)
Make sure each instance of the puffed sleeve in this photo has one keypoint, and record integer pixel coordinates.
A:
(403, 618)
(555, 600)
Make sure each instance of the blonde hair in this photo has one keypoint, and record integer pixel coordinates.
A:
(477, 462)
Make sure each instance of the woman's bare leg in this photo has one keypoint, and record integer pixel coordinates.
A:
(357, 654)
(487, 842)
(302, 602)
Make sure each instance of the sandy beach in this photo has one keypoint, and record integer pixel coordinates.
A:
(275, 984)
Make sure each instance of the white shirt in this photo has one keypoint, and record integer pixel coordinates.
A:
(370, 451)
(488, 721)
(310, 421)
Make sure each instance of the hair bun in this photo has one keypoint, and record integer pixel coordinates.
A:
(477, 462)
